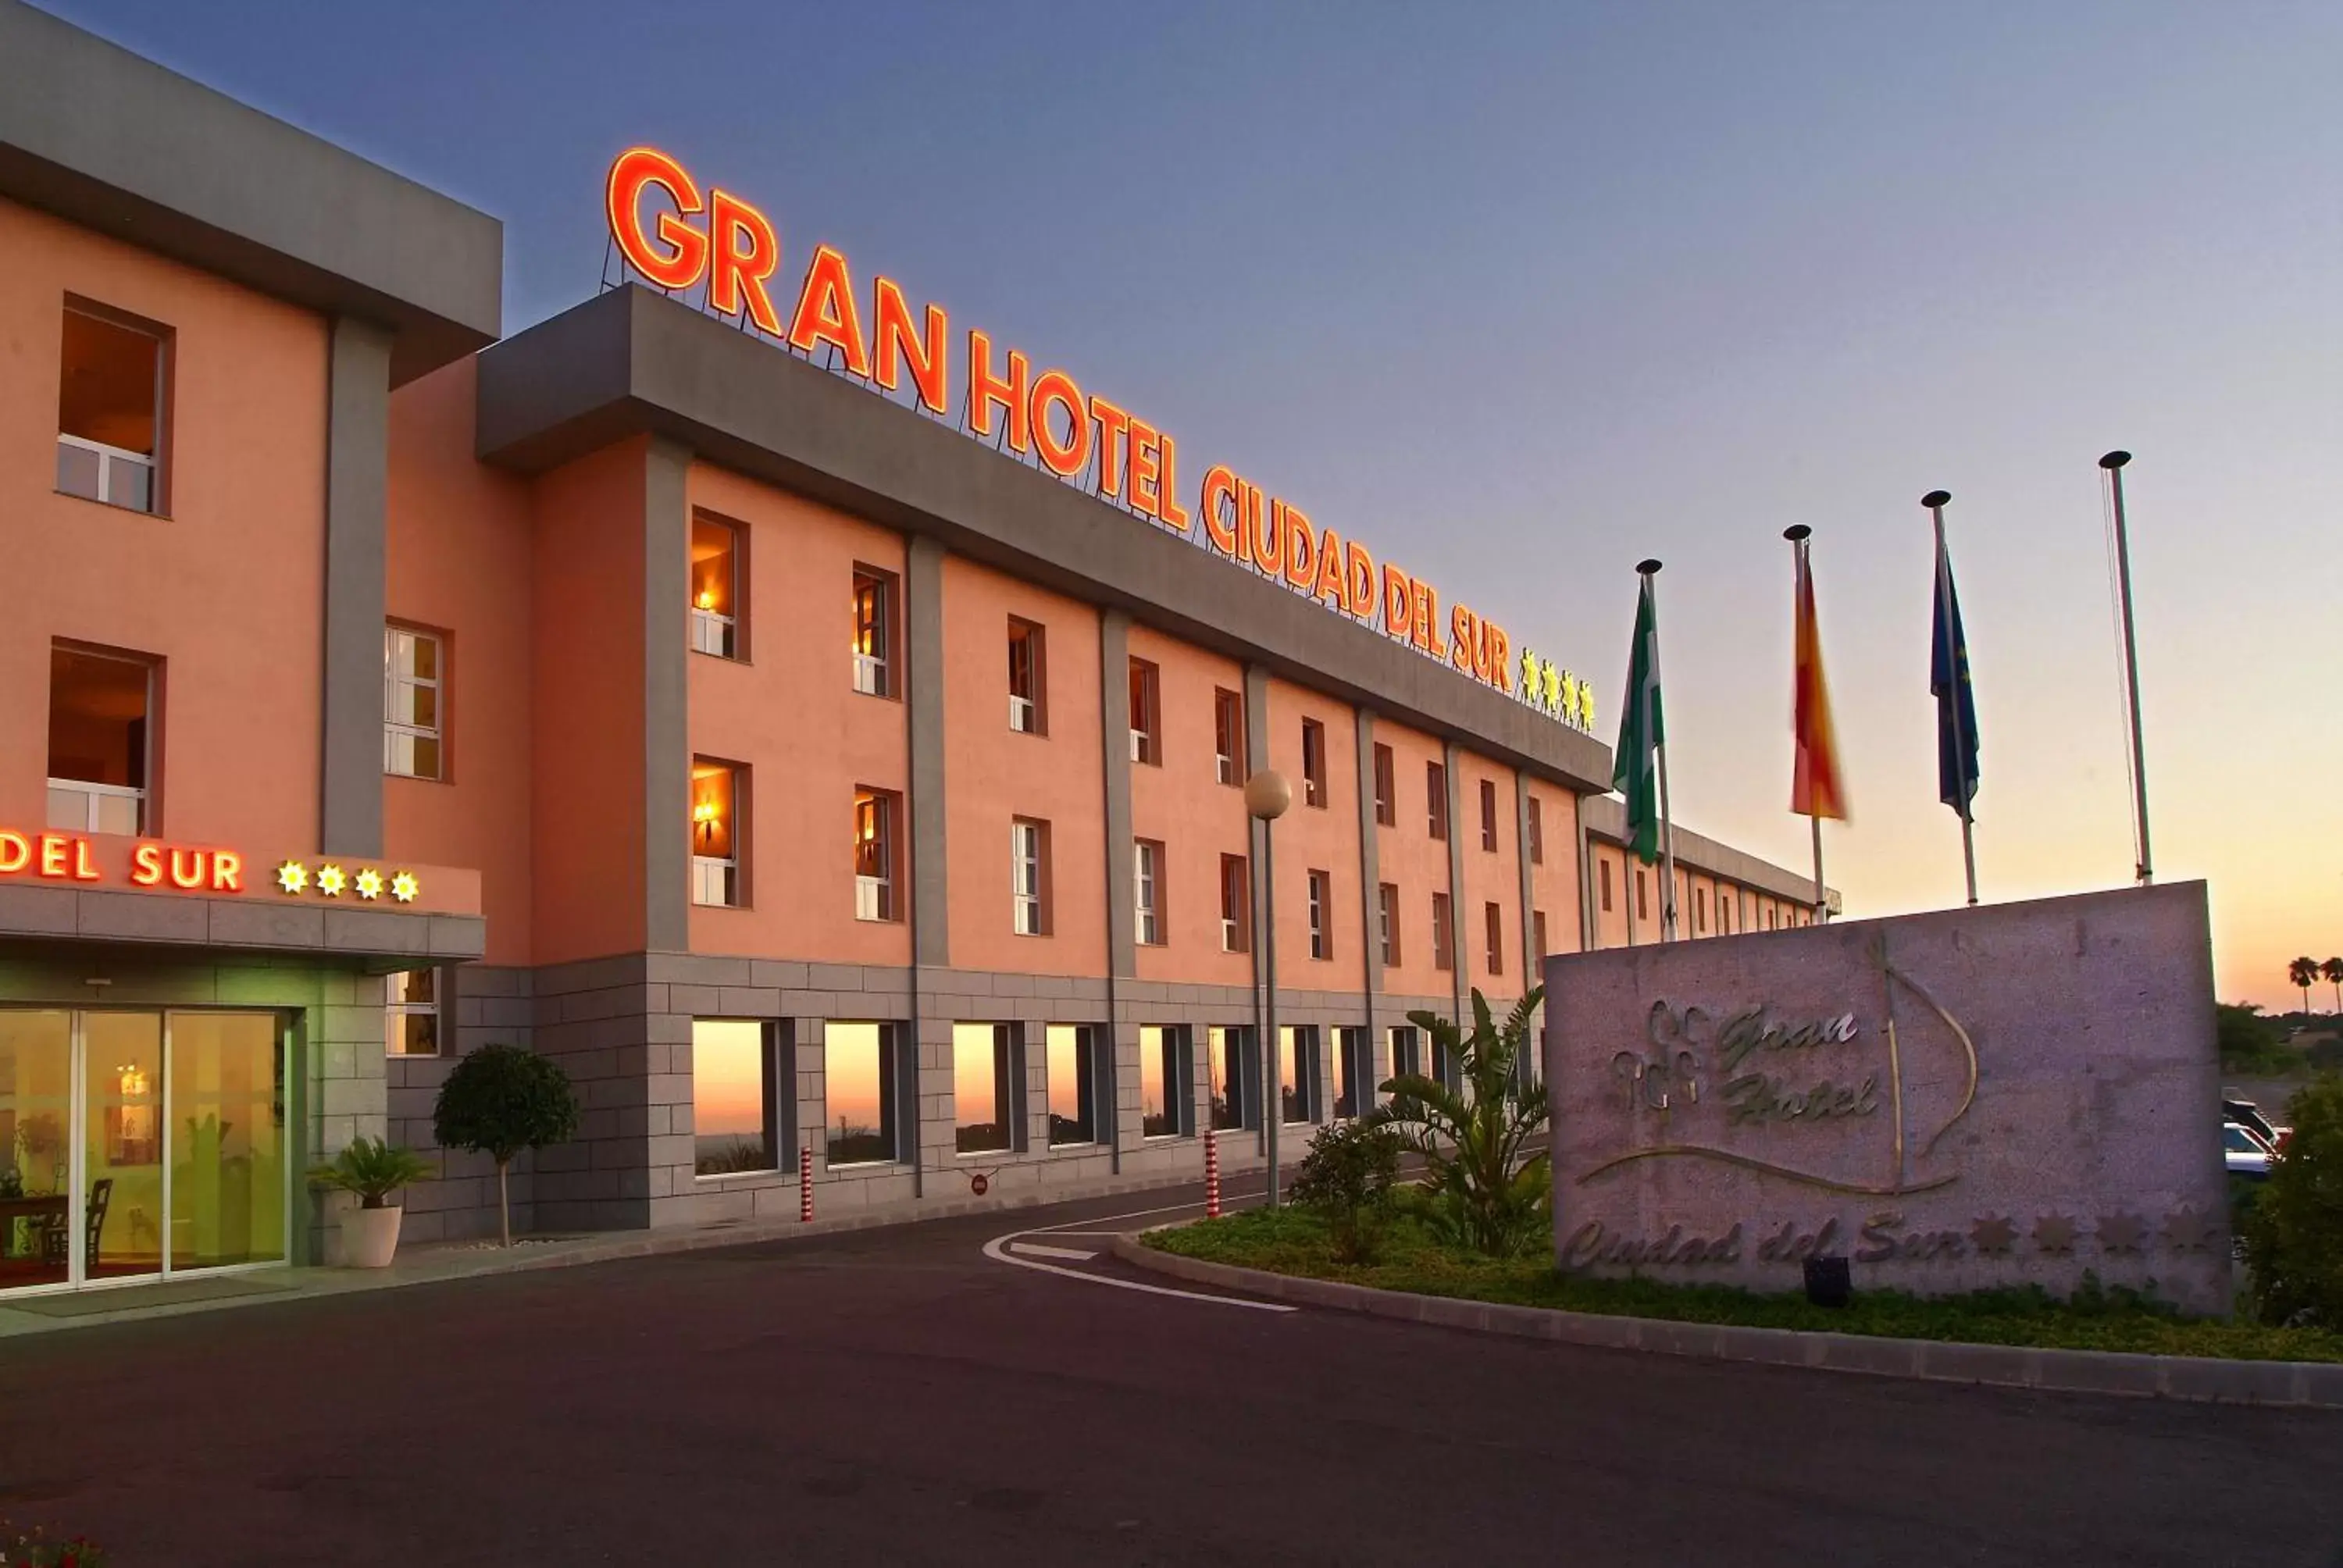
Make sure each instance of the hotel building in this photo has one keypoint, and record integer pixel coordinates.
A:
(800, 774)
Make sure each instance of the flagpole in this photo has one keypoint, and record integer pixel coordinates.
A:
(1797, 534)
(1935, 501)
(2113, 464)
(1648, 570)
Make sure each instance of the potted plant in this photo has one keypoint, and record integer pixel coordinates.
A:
(374, 1170)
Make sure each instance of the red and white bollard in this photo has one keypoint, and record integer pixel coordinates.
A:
(1211, 1175)
(805, 1186)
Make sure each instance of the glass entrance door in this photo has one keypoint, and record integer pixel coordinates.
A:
(139, 1144)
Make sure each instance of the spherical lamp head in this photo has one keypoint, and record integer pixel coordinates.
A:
(1267, 795)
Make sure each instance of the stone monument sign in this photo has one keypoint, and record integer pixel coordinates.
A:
(2007, 1094)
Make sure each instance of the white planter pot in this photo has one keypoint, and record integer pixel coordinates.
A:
(370, 1237)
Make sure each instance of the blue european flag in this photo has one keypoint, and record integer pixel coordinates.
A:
(1949, 683)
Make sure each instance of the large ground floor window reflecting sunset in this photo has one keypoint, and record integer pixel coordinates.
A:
(986, 1065)
(1354, 1080)
(1297, 1072)
(862, 1097)
(1166, 1086)
(735, 1122)
(1232, 1060)
(1074, 1081)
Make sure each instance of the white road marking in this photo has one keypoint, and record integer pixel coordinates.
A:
(998, 1251)
(1068, 1228)
(1035, 1249)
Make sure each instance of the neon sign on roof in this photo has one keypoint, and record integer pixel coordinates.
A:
(680, 237)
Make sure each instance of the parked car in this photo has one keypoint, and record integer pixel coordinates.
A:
(2248, 1155)
(2249, 1115)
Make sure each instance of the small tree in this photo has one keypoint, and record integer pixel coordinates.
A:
(1347, 1176)
(500, 1100)
(2249, 1042)
(2304, 972)
(2294, 1232)
(1494, 1194)
(2333, 969)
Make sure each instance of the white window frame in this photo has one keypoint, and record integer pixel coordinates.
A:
(873, 670)
(712, 633)
(1321, 889)
(874, 896)
(108, 457)
(1233, 928)
(1146, 881)
(394, 1009)
(393, 730)
(1025, 709)
(1025, 890)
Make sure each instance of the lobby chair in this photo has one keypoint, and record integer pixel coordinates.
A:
(101, 1195)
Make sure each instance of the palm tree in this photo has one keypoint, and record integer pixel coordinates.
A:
(2304, 972)
(2333, 970)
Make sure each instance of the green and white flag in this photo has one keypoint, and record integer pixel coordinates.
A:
(1642, 732)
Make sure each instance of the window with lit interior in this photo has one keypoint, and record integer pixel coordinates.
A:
(716, 836)
(874, 632)
(875, 815)
(1029, 706)
(715, 588)
(110, 396)
(100, 741)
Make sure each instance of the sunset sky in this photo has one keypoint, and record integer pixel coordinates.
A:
(1518, 295)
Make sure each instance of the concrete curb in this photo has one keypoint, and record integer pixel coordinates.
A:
(2317, 1385)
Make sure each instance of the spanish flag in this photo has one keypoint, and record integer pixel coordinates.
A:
(1815, 787)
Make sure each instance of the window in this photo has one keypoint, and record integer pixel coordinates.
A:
(110, 411)
(412, 679)
(715, 588)
(1537, 833)
(988, 1085)
(1236, 905)
(1387, 918)
(716, 791)
(1386, 789)
(1435, 794)
(1072, 1051)
(1492, 916)
(1489, 815)
(1604, 867)
(1029, 709)
(1354, 1073)
(1029, 873)
(1229, 736)
(874, 632)
(1407, 1051)
(862, 1077)
(1313, 763)
(1443, 936)
(412, 1028)
(99, 742)
(1235, 1086)
(1699, 909)
(1165, 1086)
(1146, 714)
(735, 1120)
(1147, 890)
(1297, 1073)
(1643, 895)
(1537, 941)
(1322, 905)
(876, 812)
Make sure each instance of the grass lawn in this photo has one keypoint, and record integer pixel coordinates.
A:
(1289, 1242)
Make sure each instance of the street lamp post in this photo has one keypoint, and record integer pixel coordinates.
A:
(1267, 795)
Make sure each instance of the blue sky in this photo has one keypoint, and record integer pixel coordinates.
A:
(1519, 296)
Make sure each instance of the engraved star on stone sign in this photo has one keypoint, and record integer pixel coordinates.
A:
(2189, 1230)
(2054, 1233)
(1992, 1236)
(2121, 1232)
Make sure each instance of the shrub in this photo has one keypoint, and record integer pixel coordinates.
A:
(32, 1548)
(1346, 1177)
(1489, 1192)
(2294, 1232)
(373, 1169)
(2249, 1042)
(500, 1100)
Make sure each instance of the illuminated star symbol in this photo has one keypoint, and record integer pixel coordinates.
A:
(2187, 1230)
(1586, 707)
(330, 881)
(1992, 1236)
(404, 887)
(368, 883)
(1552, 677)
(1529, 674)
(292, 876)
(2054, 1233)
(2121, 1232)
